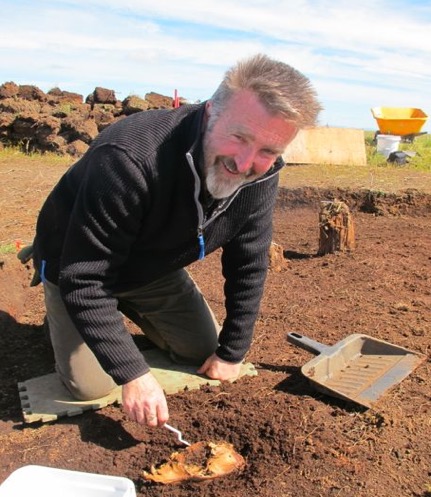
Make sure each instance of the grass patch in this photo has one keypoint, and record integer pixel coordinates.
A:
(15, 153)
(8, 248)
(421, 146)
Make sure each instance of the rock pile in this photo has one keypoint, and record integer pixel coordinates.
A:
(60, 121)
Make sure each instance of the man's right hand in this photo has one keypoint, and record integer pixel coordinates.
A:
(144, 401)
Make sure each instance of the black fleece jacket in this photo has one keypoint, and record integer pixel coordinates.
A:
(128, 212)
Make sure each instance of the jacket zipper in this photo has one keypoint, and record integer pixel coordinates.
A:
(202, 224)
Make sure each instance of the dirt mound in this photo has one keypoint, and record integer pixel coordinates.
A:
(411, 202)
(60, 121)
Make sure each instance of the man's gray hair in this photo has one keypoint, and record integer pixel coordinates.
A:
(282, 89)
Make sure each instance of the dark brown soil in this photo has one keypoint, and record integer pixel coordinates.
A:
(296, 442)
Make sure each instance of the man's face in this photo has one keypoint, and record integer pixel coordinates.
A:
(242, 144)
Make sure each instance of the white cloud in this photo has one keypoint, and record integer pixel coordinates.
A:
(357, 55)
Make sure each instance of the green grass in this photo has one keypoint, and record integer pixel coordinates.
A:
(8, 248)
(9, 154)
(421, 146)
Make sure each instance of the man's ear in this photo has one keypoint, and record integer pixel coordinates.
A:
(208, 108)
(207, 114)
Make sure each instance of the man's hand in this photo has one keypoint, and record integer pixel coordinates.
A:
(218, 369)
(144, 401)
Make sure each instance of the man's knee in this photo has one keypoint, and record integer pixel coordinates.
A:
(88, 388)
(194, 354)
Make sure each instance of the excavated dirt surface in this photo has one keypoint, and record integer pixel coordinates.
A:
(296, 442)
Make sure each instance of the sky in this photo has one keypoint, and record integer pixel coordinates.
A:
(358, 55)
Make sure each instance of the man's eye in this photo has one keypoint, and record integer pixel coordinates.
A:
(269, 153)
(239, 138)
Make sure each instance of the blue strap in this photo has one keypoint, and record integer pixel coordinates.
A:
(42, 271)
(201, 246)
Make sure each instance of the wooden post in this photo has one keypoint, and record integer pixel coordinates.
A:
(277, 262)
(336, 228)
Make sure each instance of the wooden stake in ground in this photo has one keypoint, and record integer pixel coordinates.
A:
(277, 261)
(337, 233)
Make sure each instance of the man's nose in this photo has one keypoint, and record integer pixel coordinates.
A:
(252, 160)
(245, 160)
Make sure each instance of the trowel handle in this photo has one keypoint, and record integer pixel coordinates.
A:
(306, 343)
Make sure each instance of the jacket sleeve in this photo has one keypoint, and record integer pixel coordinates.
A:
(104, 223)
(245, 266)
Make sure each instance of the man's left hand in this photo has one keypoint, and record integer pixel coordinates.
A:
(218, 369)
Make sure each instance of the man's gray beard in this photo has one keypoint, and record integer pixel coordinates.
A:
(218, 187)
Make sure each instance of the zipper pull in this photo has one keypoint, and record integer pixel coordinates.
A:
(201, 244)
(42, 271)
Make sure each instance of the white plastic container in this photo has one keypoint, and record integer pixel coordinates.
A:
(41, 481)
(386, 144)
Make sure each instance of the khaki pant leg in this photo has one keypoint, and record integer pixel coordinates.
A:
(76, 365)
(173, 314)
